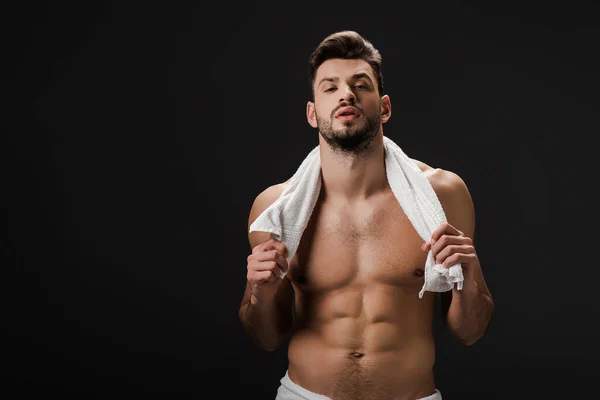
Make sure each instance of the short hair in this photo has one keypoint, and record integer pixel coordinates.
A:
(345, 45)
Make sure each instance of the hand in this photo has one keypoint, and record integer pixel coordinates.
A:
(265, 264)
(450, 246)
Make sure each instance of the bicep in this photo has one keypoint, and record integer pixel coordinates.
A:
(464, 219)
(260, 204)
(460, 213)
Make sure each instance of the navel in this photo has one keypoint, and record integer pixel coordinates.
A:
(356, 354)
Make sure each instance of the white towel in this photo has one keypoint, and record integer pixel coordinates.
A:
(288, 216)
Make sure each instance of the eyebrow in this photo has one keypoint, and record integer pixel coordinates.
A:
(354, 77)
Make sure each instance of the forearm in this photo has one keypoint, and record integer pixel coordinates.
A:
(268, 320)
(469, 313)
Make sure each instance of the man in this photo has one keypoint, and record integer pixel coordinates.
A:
(349, 300)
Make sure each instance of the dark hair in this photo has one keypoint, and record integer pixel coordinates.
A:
(345, 45)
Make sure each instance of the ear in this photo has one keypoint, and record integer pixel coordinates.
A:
(311, 115)
(386, 109)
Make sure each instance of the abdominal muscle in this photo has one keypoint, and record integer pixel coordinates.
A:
(358, 346)
(361, 331)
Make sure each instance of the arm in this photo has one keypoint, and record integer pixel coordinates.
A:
(268, 321)
(466, 312)
(267, 307)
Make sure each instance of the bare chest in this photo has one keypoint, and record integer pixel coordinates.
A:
(370, 244)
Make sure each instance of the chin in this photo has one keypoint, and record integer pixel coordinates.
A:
(350, 126)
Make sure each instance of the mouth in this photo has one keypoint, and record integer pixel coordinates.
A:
(347, 113)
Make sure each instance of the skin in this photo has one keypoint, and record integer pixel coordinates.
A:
(349, 303)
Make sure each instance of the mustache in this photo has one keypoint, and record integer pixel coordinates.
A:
(345, 105)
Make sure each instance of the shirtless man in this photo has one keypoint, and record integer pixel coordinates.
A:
(349, 302)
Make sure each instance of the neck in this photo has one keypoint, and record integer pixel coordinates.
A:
(350, 177)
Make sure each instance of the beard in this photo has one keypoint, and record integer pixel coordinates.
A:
(352, 139)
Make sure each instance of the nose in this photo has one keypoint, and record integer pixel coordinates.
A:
(348, 95)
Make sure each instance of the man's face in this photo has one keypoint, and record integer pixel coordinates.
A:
(347, 107)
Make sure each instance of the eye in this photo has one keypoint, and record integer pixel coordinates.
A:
(331, 89)
(360, 86)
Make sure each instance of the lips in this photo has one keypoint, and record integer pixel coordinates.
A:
(347, 111)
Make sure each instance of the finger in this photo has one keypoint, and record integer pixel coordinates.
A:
(448, 240)
(272, 255)
(438, 232)
(452, 249)
(258, 277)
(459, 258)
(444, 229)
(272, 244)
(266, 267)
(279, 246)
(426, 246)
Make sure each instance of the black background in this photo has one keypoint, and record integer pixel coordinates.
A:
(137, 135)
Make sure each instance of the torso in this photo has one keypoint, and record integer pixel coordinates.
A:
(361, 329)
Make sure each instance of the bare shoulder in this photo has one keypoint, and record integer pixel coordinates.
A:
(442, 180)
(453, 193)
(262, 201)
